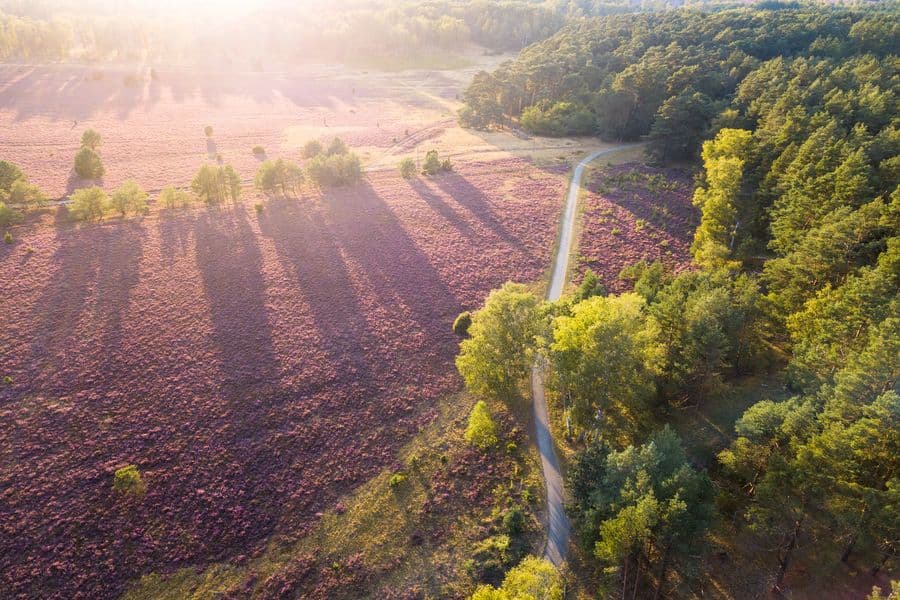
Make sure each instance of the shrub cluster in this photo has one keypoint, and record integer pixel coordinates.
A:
(279, 175)
(434, 165)
(15, 189)
(87, 160)
(336, 165)
(215, 184)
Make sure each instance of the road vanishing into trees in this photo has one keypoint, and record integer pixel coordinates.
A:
(557, 522)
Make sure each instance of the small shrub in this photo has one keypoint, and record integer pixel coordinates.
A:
(89, 204)
(258, 150)
(8, 380)
(407, 168)
(208, 130)
(8, 238)
(514, 521)
(29, 250)
(332, 170)
(482, 431)
(511, 447)
(312, 148)
(462, 323)
(215, 184)
(259, 206)
(396, 480)
(337, 147)
(432, 164)
(127, 480)
(9, 174)
(172, 197)
(88, 164)
(90, 139)
(26, 194)
(129, 198)
(275, 175)
(446, 165)
(616, 231)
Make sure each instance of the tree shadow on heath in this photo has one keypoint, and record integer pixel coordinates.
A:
(308, 250)
(442, 208)
(471, 197)
(398, 270)
(94, 260)
(230, 265)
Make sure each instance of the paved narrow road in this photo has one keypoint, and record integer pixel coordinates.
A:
(558, 523)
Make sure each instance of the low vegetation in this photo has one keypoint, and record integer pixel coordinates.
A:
(88, 164)
(434, 165)
(129, 198)
(214, 185)
(171, 197)
(334, 166)
(89, 204)
(128, 480)
(482, 431)
(278, 176)
(407, 168)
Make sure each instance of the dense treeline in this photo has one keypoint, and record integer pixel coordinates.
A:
(797, 269)
(670, 75)
(346, 29)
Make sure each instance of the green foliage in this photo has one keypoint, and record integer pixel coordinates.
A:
(171, 197)
(128, 480)
(88, 164)
(208, 130)
(532, 579)
(216, 184)
(334, 170)
(590, 286)
(605, 354)
(278, 175)
(723, 161)
(880, 594)
(497, 356)
(434, 165)
(562, 118)
(26, 194)
(89, 204)
(90, 139)
(644, 503)
(407, 168)
(649, 279)
(711, 323)
(396, 480)
(462, 323)
(337, 147)
(9, 173)
(514, 521)
(8, 238)
(312, 148)
(129, 197)
(481, 431)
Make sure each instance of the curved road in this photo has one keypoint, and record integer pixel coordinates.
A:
(558, 525)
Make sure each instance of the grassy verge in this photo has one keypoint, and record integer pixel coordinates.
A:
(412, 528)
